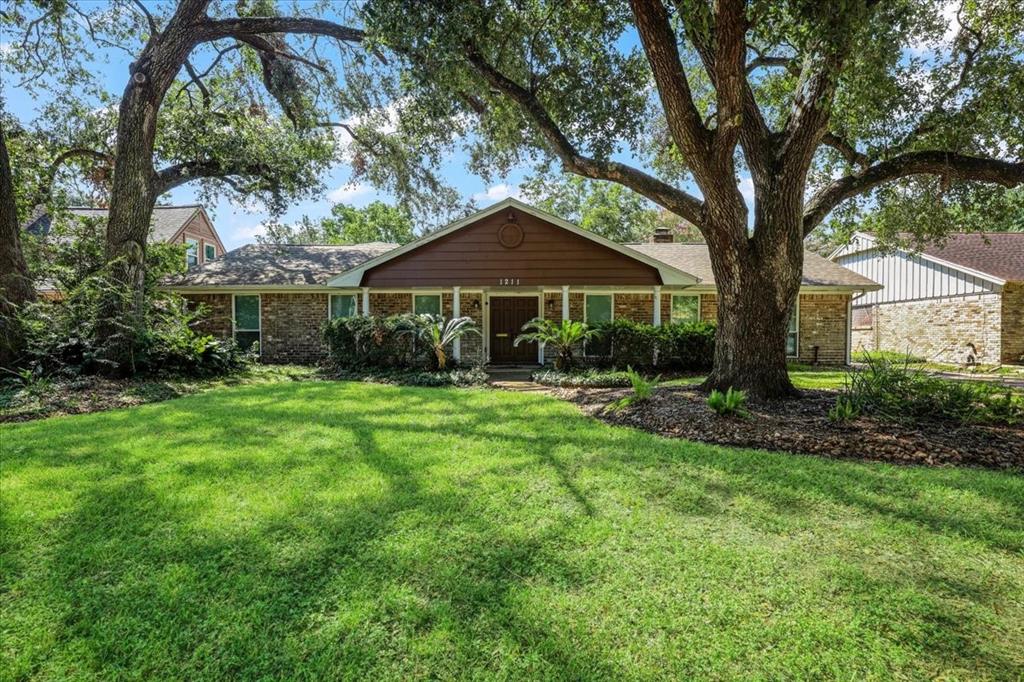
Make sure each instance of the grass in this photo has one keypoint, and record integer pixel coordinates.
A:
(802, 376)
(325, 530)
(921, 363)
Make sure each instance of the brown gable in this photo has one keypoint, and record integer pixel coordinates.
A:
(534, 253)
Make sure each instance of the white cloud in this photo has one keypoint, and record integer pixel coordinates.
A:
(497, 193)
(747, 189)
(349, 192)
(948, 13)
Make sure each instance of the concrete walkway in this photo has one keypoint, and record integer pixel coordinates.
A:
(514, 379)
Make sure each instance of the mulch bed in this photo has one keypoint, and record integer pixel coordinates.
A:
(802, 426)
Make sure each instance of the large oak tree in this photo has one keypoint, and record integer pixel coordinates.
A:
(819, 102)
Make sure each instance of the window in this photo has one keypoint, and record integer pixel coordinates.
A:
(191, 252)
(343, 305)
(598, 309)
(247, 320)
(792, 333)
(863, 318)
(685, 308)
(427, 305)
(210, 251)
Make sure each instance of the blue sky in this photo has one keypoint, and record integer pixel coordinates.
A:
(238, 225)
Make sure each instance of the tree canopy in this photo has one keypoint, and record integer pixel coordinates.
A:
(377, 222)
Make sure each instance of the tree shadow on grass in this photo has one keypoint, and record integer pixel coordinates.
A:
(429, 563)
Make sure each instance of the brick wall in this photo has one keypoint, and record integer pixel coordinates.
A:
(217, 319)
(384, 305)
(823, 324)
(472, 305)
(636, 307)
(1012, 335)
(291, 327)
(937, 329)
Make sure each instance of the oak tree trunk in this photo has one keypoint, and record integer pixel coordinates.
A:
(134, 188)
(16, 287)
(758, 280)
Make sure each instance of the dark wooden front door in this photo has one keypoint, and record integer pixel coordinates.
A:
(508, 315)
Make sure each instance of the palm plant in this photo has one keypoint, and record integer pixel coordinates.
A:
(438, 333)
(563, 337)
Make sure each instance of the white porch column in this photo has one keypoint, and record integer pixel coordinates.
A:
(456, 312)
(657, 306)
(366, 301)
(565, 302)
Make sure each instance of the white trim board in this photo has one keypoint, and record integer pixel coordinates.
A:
(669, 275)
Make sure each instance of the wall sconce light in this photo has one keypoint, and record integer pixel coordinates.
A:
(549, 304)
(474, 305)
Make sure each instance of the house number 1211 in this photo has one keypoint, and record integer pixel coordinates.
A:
(508, 281)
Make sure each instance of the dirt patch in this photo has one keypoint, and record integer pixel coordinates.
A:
(802, 426)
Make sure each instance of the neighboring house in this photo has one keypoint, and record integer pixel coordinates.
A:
(502, 267)
(188, 224)
(961, 301)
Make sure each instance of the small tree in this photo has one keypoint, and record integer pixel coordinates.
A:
(563, 337)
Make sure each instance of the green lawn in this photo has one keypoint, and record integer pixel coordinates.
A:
(340, 530)
(802, 376)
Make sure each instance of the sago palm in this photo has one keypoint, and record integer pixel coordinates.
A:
(563, 337)
(438, 333)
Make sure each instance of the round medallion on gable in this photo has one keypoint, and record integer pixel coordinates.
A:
(510, 235)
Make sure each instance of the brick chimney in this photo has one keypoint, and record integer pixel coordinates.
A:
(662, 235)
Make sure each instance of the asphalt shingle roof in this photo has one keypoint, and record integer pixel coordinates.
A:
(1000, 254)
(280, 265)
(694, 259)
(298, 265)
(167, 220)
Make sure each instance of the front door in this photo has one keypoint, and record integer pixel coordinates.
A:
(508, 315)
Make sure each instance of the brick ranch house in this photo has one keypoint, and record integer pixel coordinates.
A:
(961, 301)
(502, 267)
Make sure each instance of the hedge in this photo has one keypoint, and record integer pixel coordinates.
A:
(686, 346)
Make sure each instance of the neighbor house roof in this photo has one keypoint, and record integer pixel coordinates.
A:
(1000, 254)
(279, 265)
(996, 256)
(167, 220)
(694, 258)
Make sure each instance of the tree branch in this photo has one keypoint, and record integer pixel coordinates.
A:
(46, 185)
(684, 122)
(849, 152)
(676, 200)
(239, 27)
(946, 164)
(181, 173)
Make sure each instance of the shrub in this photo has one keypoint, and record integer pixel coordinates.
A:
(397, 342)
(843, 411)
(894, 392)
(471, 376)
(438, 334)
(589, 378)
(564, 337)
(643, 389)
(681, 347)
(732, 402)
(62, 337)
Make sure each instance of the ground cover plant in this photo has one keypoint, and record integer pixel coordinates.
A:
(345, 530)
